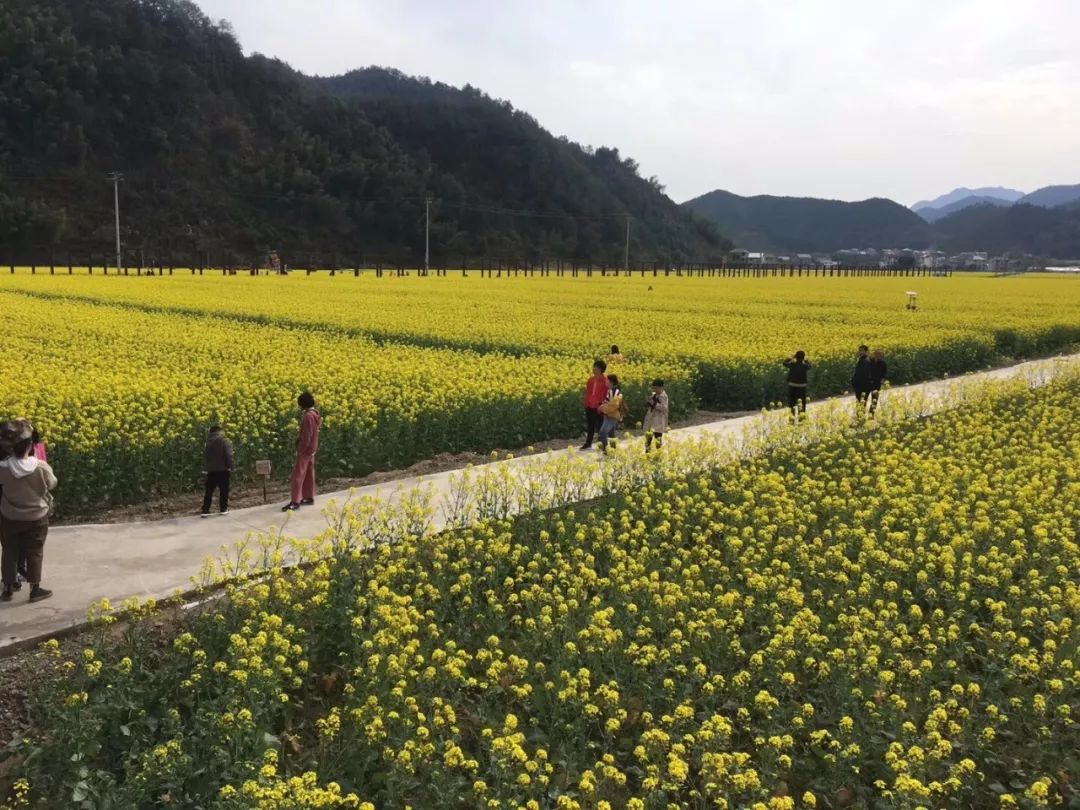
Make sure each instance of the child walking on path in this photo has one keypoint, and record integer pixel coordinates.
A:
(219, 467)
(798, 369)
(307, 446)
(24, 511)
(613, 411)
(656, 415)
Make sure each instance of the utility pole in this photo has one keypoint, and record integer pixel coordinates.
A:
(427, 234)
(116, 177)
(626, 250)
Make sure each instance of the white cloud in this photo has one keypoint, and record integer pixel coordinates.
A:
(834, 98)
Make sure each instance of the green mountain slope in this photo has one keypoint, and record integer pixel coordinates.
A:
(490, 156)
(237, 155)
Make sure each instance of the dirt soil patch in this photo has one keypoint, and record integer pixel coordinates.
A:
(248, 494)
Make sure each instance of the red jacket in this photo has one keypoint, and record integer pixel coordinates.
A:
(596, 391)
(307, 443)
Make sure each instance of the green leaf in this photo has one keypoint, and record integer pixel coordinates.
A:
(81, 791)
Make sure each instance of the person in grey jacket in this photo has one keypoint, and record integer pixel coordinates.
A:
(219, 467)
(24, 510)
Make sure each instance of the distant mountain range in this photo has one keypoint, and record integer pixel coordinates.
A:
(961, 198)
(1009, 195)
(1053, 196)
(808, 224)
(934, 213)
(811, 225)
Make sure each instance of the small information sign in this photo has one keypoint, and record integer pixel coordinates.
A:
(263, 468)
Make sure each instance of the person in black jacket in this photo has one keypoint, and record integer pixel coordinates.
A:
(861, 379)
(797, 381)
(879, 372)
(219, 466)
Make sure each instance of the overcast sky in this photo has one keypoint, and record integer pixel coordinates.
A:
(831, 98)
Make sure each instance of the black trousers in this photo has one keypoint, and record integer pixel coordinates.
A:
(874, 394)
(22, 540)
(220, 482)
(592, 424)
(796, 396)
(861, 396)
(22, 564)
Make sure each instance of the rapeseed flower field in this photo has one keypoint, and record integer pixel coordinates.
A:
(124, 374)
(878, 618)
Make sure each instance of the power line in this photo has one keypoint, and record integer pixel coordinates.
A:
(294, 196)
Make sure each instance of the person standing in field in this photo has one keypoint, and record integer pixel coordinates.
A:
(656, 415)
(798, 369)
(24, 511)
(307, 446)
(613, 412)
(616, 357)
(219, 467)
(861, 379)
(596, 389)
(879, 372)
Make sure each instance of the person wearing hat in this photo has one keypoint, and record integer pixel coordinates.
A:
(25, 503)
(656, 415)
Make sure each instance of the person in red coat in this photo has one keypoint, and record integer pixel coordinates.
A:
(596, 391)
(307, 446)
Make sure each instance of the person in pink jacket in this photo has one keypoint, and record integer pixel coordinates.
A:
(307, 445)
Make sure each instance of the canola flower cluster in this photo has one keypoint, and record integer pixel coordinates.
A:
(124, 397)
(884, 618)
(131, 371)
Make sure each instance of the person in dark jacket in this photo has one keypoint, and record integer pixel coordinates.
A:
(798, 369)
(219, 467)
(861, 379)
(879, 372)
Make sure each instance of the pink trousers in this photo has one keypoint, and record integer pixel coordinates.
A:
(303, 479)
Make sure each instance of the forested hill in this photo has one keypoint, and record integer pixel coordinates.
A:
(1020, 228)
(809, 225)
(806, 224)
(488, 153)
(237, 155)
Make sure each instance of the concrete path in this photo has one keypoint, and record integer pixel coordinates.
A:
(84, 564)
